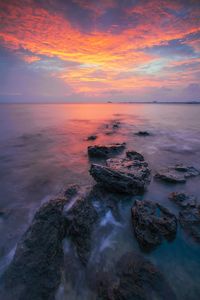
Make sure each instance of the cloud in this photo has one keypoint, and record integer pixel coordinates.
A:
(93, 47)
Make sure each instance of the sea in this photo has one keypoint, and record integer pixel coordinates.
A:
(43, 149)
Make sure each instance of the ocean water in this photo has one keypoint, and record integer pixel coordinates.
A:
(43, 148)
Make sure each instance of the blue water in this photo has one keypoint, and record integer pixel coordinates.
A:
(43, 148)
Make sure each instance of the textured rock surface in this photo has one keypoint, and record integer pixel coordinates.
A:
(177, 173)
(152, 222)
(122, 175)
(80, 216)
(189, 218)
(134, 155)
(105, 151)
(35, 270)
(134, 278)
(182, 199)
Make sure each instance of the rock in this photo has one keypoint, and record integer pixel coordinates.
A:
(92, 138)
(134, 278)
(35, 271)
(134, 155)
(105, 151)
(177, 174)
(2, 213)
(80, 216)
(122, 175)
(142, 133)
(152, 222)
(126, 175)
(116, 124)
(183, 199)
(189, 218)
(112, 128)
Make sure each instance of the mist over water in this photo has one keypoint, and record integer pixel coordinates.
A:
(43, 148)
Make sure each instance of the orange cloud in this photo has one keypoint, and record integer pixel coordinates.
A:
(106, 60)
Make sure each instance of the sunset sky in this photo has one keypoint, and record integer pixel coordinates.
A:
(84, 50)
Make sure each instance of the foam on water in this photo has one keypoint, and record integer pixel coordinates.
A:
(5, 260)
(109, 219)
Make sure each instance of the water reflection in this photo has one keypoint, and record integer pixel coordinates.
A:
(44, 147)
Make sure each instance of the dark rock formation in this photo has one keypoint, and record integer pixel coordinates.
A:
(92, 138)
(116, 124)
(189, 218)
(142, 133)
(35, 270)
(152, 222)
(80, 216)
(105, 151)
(183, 199)
(177, 173)
(134, 155)
(113, 127)
(122, 175)
(134, 278)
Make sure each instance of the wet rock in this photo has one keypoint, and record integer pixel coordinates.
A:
(122, 175)
(152, 222)
(2, 213)
(80, 216)
(142, 133)
(106, 151)
(134, 155)
(182, 199)
(112, 128)
(35, 270)
(92, 138)
(116, 124)
(177, 174)
(189, 218)
(134, 278)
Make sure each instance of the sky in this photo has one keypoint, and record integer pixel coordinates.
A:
(98, 51)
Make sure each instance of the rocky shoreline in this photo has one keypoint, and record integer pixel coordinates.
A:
(37, 267)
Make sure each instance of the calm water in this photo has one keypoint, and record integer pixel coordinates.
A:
(43, 149)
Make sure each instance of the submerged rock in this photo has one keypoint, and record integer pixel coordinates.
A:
(134, 278)
(189, 218)
(142, 133)
(122, 175)
(92, 138)
(183, 199)
(105, 151)
(35, 270)
(152, 222)
(116, 124)
(177, 174)
(80, 216)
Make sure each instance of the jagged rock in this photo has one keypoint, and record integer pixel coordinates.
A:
(105, 151)
(134, 155)
(80, 216)
(152, 222)
(134, 278)
(142, 133)
(35, 270)
(177, 174)
(189, 218)
(92, 138)
(183, 199)
(122, 175)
